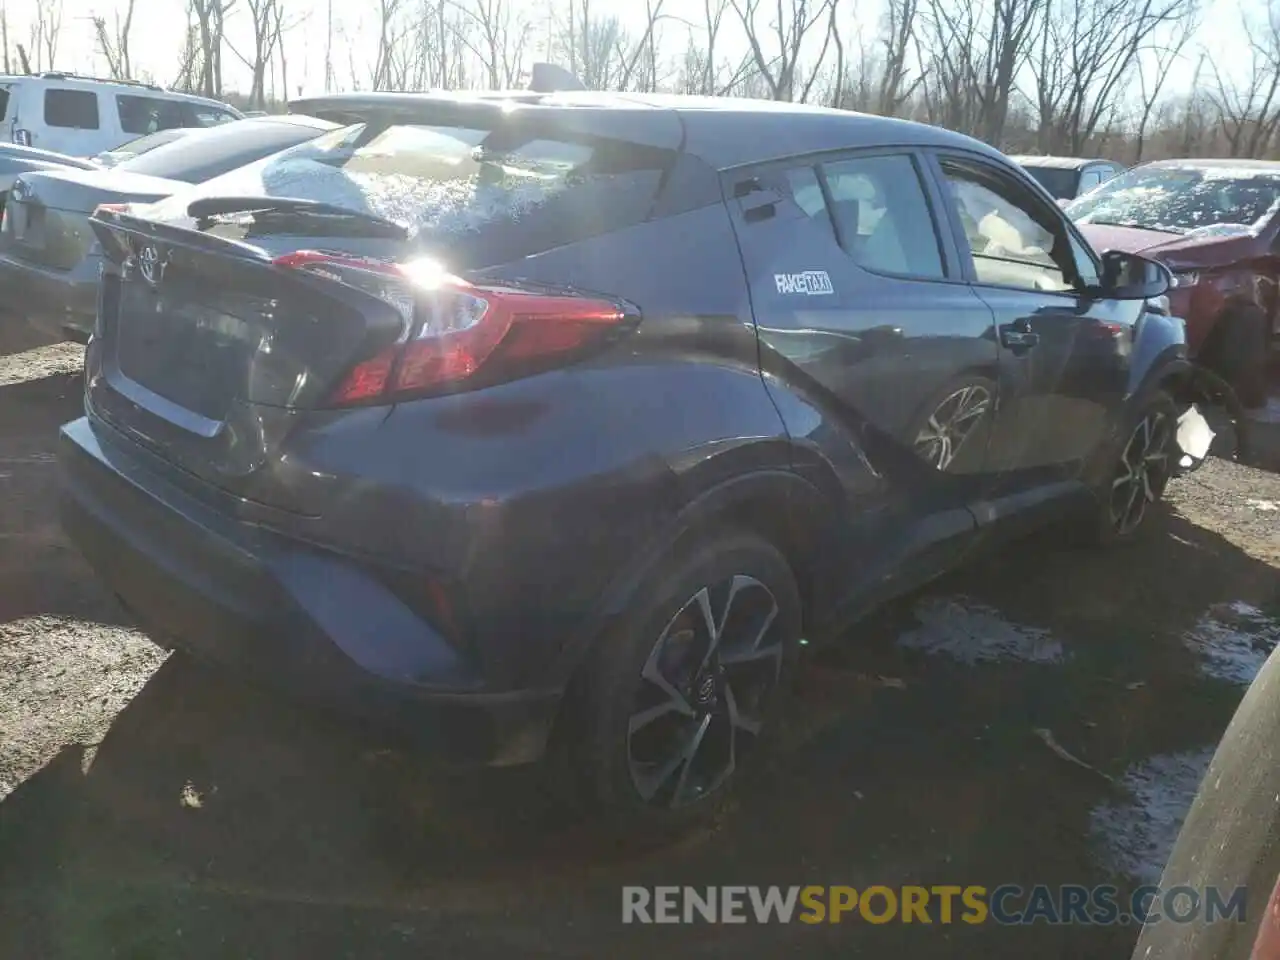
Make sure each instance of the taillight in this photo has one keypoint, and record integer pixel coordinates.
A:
(454, 330)
(22, 137)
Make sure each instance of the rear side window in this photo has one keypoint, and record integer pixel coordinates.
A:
(882, 217)
(4, 102)
(140, 115)
(1090, 179)
(75, 109)
(479, 194)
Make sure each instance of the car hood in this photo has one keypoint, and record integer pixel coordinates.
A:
(82, 190)
(1175, 249)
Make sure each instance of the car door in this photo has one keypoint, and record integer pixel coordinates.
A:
(877, 350)
(1064, 351)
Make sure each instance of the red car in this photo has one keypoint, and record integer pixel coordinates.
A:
(1215, 224)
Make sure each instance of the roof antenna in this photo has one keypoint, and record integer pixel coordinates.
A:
(548, 78)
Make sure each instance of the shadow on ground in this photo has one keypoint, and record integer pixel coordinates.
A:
(214, 821)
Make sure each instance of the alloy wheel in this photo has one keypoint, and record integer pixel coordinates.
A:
(703, 692)
(1142, 472)
(951, 424)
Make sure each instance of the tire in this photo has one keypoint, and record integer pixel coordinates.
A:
(1140, 462)
(1239, 353)
(641, 707)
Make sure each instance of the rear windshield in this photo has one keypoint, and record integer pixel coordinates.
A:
(204, 154)
(454, 182)
(1059, 181)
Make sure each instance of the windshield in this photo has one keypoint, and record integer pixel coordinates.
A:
(453, 181)
(1060, 182)
(1183, 199)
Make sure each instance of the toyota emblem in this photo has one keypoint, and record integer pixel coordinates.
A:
(150, 265)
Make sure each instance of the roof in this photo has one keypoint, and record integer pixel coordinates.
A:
(1261, 166)
(723, 131)
(295, 119)
(1060, 163)
(135, 86)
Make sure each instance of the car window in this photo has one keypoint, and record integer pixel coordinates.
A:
(1090, 179)
(147, 114)
(1060, 182)
(4, 102)
(1013, 241)
(74, 109)
(882, 217)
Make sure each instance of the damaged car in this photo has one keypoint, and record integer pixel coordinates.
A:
(548, 423)
(1216, 225)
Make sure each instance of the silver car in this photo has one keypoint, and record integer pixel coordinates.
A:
(48, 256)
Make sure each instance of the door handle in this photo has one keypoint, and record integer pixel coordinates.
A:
(1018, 336)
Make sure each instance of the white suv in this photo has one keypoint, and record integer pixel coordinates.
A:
(83, 116)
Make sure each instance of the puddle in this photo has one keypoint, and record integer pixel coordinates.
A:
(1136, 836)
(1233, 640)
(974, 633)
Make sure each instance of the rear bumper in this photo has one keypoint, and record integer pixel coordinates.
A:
(61, 303)
(311, 623)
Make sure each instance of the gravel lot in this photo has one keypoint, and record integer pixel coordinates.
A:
(151, 808)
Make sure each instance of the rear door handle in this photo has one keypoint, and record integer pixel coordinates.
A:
(1018, 336)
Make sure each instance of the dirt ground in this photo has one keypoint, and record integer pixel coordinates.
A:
(152, 808)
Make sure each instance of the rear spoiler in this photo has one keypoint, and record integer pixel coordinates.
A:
(612, 117)
(348, 108)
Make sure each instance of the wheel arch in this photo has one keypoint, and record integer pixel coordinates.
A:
(775, 503)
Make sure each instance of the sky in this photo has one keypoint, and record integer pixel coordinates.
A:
(159, 26)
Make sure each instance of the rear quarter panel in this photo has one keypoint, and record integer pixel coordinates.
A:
(537, 499)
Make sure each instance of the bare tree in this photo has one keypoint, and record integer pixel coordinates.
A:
(776, 52)
(899, 25)
(329, 78)
(501, 37)
(1249, 110)
(1153, 72)
(189, 58)
(46, 30)
(211, 19)
(602, 53)
(113, 42)
(703, 71)
(976, 52)
(4, 36)
(1087, 50)
(265, 18)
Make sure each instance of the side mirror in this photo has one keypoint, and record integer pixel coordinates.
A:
(1127, 276)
